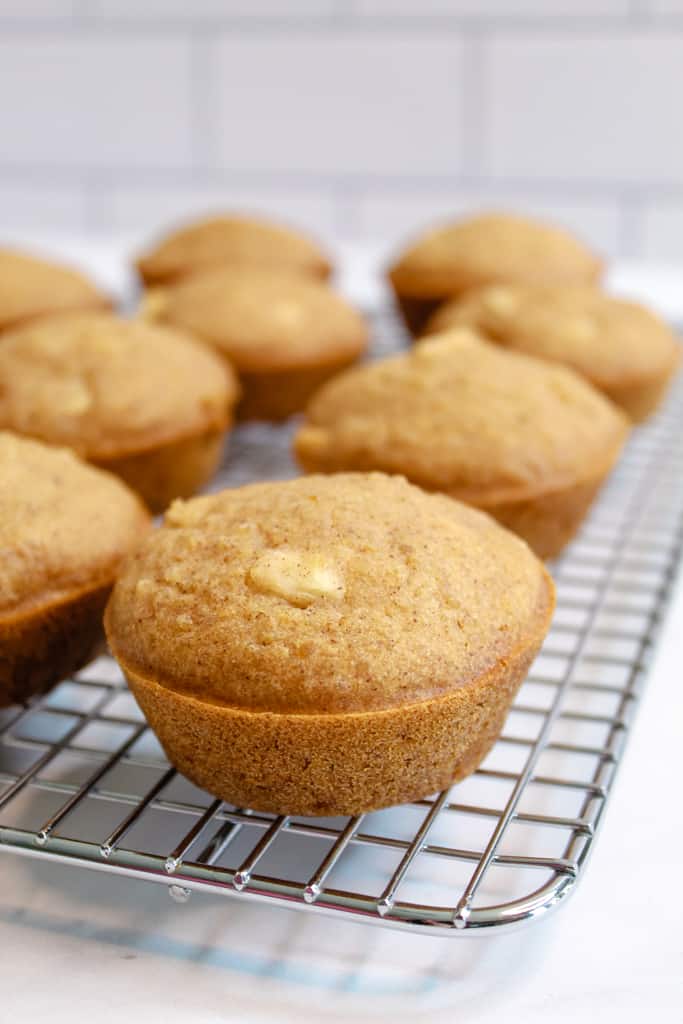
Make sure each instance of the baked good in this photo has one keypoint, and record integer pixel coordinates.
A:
(326, 645)
(285, 334)
(526, 440)
(486, 249)
(32, 288)
(623, 349)
(216, 241)
(145, 402)
(64, 529)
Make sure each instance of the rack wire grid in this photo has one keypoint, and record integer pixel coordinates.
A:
(83, 779)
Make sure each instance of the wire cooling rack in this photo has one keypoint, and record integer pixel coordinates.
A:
(83, 780)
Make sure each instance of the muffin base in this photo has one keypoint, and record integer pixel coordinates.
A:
(280, 394)
(549, 521)
(175, 470)
(151, 278)
(640, 399)
(336, 764)
(415, 313)
(45, 644)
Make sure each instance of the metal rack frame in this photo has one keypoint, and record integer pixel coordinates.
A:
(82, 780)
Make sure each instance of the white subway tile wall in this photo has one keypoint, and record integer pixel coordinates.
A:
(668, 6)
(132, 209)
(590, 108)
(395, 216)
(82, 100)
(663, 232)
(191, 10)
(357, 119)
(36, 9)
(494, 8)
(39, 203)
(354, 105)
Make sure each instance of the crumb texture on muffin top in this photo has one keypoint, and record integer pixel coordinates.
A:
(264, 319)
(609, 340)
(465, 416)
(63, 525)
(492, 247)
(357, 592)
(106, 386)
(234, 240)
(31, 287)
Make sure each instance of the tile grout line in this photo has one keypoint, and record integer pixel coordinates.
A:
(146, 178)
(473, 104)
(203, 96)
(343, 17)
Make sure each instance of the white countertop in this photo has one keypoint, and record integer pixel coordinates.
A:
(81, 944)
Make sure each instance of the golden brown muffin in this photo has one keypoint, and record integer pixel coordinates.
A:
(32, 288)
(528, 441)
(620, 347)
(218, 241)
(145, 402)
(327, 645)
(284, 334)
(64, 529)
(487, 249)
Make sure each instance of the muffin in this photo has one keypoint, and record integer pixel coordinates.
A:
(528, 441)
(145, 402)
(622, 349)
(327, 646)
(284, 334)
(217, 241)
(487, 249)
(32, 288)
(64, 529)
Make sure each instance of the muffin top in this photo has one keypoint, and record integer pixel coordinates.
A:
(490, 248)
(461, 415)
(63, 525)
(241, 240)
(31, 288)
(325, 594)
(109, 387)
(608, 340)
(263, 319)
